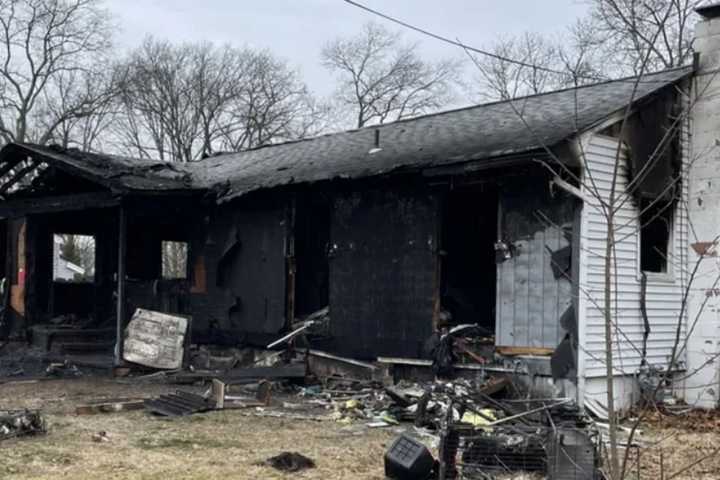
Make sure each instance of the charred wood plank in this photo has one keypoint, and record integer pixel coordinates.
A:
(57, 203)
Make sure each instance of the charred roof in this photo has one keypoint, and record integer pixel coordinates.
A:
(477, 133)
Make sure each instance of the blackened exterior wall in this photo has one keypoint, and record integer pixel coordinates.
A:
(244, 267)
(382, 271)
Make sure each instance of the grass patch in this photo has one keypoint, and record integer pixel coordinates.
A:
(181, 443)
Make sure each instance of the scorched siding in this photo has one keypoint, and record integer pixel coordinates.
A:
(664, 295)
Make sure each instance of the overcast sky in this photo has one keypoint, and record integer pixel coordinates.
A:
(296, 30)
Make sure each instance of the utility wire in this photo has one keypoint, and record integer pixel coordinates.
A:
(457, 43)
(484, 52)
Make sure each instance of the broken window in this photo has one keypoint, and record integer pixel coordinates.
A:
(174, 260)
(655, 233)
(73, 258)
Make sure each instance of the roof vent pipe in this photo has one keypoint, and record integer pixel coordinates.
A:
(376, 148)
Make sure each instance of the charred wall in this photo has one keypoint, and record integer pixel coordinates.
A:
(239, 272)
(382, 270)
(150, 221)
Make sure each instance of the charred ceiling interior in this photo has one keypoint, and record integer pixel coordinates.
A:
(402, 231)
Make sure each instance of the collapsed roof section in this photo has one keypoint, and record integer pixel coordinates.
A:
(480, 133)
(117, 173)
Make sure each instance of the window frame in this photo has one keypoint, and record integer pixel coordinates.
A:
(86, 280)
(668, 276)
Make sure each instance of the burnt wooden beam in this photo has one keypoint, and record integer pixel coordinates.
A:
(122, 257)
(57, 203)
(9, 165)
(291, 263)
(18, 176)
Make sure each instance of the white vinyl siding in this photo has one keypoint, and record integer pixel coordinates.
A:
(664, 292)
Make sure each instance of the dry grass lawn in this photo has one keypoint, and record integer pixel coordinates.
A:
(233, 444)
(226, 444)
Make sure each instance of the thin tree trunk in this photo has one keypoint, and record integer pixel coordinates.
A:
(612, 415)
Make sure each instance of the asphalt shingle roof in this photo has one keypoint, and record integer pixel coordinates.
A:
(469, 134)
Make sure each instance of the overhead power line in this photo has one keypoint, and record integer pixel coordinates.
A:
(460, 44)
(502, 58)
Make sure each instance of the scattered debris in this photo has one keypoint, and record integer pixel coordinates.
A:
(21, 423)
(63, 370)
(100, 437)
(290, 462)
(324, 364)
(555, 440)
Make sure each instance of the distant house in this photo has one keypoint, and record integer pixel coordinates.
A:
(64, 269)
(481, 215)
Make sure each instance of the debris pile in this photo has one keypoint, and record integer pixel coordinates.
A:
(20, 423)
(290, 462)
(554, 440)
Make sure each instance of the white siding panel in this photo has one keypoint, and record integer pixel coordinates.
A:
(664, 295)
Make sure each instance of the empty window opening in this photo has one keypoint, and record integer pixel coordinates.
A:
(73, 258)
(655, 234)
(468, 256)
(174, 260)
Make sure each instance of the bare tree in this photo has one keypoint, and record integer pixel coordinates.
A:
(634, 30)
(502, 79)
(43, 45)
(182, 102)
(77, 109)
(533, 63)
(273, 104)
(384, 79)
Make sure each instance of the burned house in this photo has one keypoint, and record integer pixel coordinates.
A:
(490, 215)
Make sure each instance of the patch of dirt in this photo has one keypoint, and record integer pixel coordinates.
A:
(699, 421)
(673, 450)
(678, 446)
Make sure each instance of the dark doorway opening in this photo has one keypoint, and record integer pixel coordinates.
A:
(312, 241)
(469, 233)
